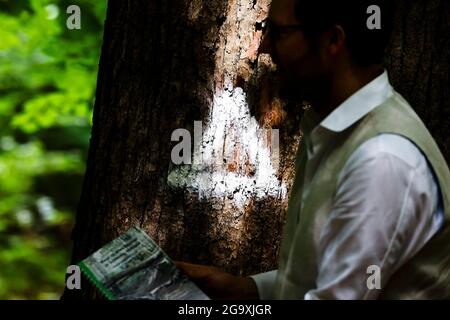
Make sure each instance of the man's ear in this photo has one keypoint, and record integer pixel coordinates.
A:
(336, 39)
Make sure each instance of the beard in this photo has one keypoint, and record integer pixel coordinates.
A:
(292, 95)
(292, 90)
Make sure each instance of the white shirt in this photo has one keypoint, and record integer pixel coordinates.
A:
(387, 206)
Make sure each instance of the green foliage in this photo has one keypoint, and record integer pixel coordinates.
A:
(47, 87)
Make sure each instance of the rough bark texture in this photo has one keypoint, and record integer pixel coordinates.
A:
(418, 63)
(167, 63)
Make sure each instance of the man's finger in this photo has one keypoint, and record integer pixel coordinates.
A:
(194, 271)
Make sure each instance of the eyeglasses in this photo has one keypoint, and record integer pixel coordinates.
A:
(274, 31)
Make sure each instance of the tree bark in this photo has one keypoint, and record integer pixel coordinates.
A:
(165, 64)
(168, 63)
(418, 63)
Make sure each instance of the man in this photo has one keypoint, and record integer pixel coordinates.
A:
(372, 190)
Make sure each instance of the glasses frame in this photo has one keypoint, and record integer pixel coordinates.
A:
(274, 31)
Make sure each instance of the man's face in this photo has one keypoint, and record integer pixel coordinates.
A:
(300, 64)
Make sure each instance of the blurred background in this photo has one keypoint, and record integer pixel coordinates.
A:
(48, 76)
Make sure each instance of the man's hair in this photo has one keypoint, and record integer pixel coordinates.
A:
(365, 46)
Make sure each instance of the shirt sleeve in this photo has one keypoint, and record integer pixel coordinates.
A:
(265, 283)
(383, 213)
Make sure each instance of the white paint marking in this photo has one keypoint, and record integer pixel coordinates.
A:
(232, 126)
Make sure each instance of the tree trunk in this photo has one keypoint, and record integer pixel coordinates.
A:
(418, 63)
(164, 65)
(168, 63)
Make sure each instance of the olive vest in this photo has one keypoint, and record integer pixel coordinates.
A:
(427, 274)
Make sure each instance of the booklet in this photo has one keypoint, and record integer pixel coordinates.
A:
(134, 267)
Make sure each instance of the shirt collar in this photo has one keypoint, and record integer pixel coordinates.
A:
(359, 104)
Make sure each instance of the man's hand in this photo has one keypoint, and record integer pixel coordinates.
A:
(218, 284)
